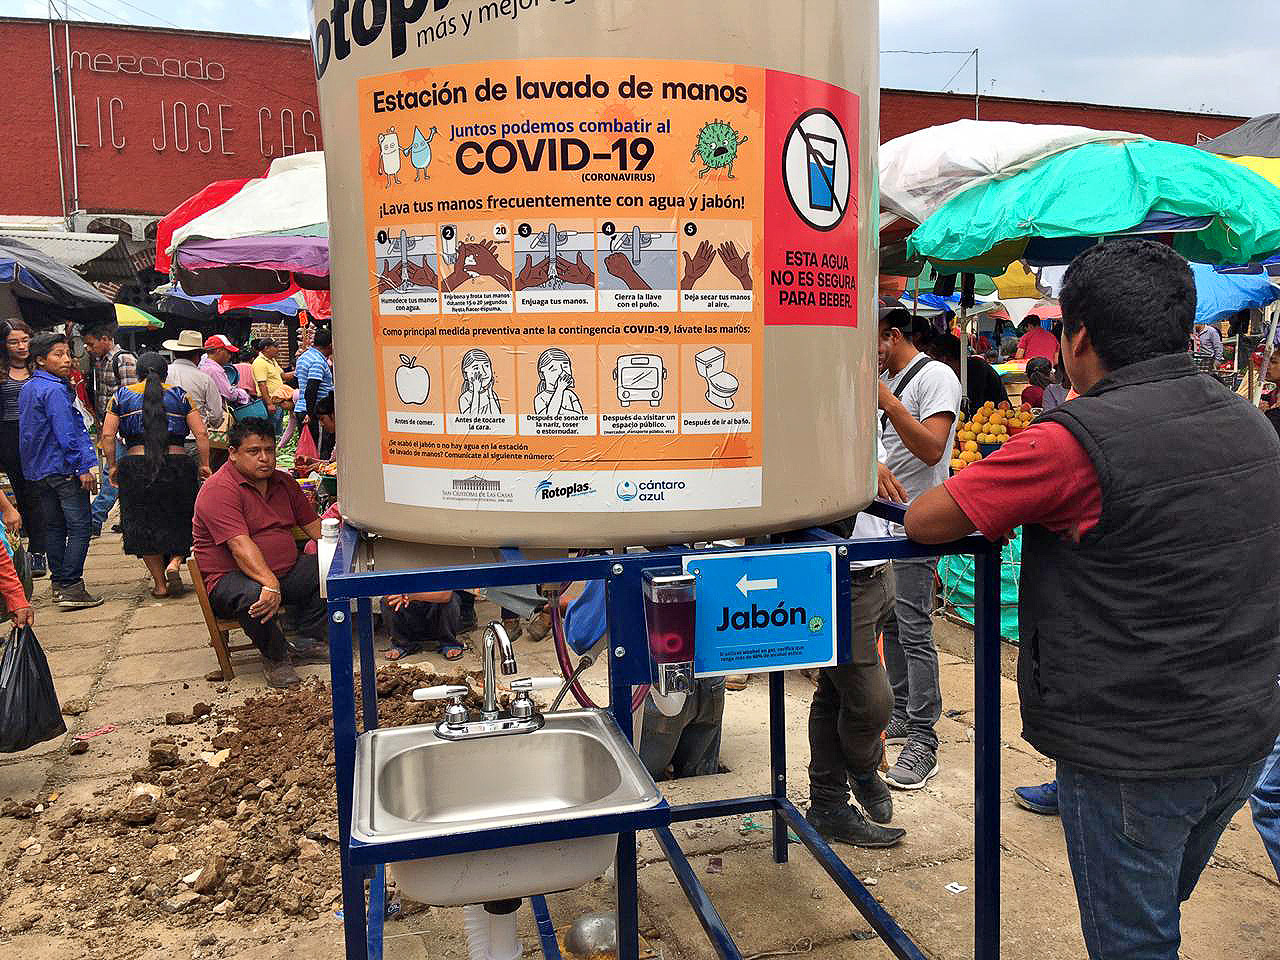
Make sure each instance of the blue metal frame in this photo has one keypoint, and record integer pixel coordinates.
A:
(629, 666)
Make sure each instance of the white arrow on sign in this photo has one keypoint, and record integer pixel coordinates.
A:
(750, 586)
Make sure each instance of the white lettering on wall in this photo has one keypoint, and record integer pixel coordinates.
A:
(170, 68)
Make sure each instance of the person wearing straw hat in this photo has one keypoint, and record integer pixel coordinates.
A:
(199, 387)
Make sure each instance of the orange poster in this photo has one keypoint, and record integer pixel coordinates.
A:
(566, 277)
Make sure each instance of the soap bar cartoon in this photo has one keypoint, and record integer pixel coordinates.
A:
(389, 156)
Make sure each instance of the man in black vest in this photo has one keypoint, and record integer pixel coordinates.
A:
(1159, 703)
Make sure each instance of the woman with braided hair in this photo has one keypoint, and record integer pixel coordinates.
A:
(156, 478)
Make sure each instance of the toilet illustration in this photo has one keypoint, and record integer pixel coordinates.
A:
(721, 385)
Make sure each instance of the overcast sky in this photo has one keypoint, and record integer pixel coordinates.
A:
(1217, 55)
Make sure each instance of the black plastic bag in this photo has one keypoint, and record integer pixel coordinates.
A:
(22, 567)
(29, 710)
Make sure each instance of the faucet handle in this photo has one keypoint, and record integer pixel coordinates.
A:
(444, 692)
(530, 684)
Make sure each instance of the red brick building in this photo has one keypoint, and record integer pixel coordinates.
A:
(129, 121)
(133, 120)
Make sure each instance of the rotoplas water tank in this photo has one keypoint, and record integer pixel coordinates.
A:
(603, 272)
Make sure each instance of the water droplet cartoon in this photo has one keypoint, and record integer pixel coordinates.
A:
(419, 153)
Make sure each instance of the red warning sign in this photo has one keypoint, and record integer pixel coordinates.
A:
(812, 191)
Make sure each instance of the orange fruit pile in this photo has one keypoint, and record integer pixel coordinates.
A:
(991, 425)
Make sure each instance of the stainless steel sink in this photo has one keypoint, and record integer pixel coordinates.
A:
(413, 785)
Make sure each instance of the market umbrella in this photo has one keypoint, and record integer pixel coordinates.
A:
(32, 274)
(133, 318)
(270, 237)
(182, 304)
(1218, 212)
(922, 170)
(214, 195)
(1259, 137)
(1219, 295)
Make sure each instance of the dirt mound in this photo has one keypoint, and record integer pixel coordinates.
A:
(235, 817)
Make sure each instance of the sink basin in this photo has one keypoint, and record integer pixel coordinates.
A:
(411, 785)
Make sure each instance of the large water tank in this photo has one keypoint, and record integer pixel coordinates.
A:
(603, 272)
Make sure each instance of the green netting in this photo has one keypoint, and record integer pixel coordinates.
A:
(956, 574)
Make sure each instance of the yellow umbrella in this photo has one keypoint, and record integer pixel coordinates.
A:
(127, 316)
(1266, 167)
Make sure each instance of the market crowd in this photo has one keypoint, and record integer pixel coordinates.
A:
(1160, 704)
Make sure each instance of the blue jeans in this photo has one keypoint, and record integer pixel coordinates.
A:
(1137, 849)
(1266, 806)
(65, 506)
(909, 652)
(107, 494)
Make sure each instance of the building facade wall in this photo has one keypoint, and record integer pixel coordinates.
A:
(154, 115)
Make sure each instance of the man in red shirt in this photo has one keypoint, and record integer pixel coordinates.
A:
(1159, 706)
(1037, 342)
(244, 541)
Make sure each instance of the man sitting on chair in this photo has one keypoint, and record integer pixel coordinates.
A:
(244, 541)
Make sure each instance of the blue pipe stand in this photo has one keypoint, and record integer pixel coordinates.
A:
(350, 596)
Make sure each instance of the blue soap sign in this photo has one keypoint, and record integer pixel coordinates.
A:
(764, 610)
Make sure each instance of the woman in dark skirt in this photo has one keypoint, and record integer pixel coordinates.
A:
(157, 479)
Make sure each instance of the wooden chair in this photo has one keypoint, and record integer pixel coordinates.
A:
(219, 630)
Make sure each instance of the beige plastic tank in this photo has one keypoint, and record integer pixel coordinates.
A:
(604, 273)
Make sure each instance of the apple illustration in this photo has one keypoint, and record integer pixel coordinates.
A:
(413, 383)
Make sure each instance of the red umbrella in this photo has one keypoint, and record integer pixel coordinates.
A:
(214, 195)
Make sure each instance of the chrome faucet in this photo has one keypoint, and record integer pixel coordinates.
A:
(496, 642)
(524, 716)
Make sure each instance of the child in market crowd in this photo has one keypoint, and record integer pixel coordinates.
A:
(1116, 652)
(1039, 374)
(919, 401)
(58, 459)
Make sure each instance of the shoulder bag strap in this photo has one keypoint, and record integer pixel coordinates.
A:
(901, 388)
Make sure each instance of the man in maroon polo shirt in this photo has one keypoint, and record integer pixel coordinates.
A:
(243, 532)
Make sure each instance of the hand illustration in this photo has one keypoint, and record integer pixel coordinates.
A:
(739, 264)
(460, 274)
(486, 261)
(620, 266)
(698, 264)
(578, 272)
(391, 280)
(533, 276)
(422, 276)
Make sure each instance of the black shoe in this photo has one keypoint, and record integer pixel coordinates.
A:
(846, 825)
(873, 793)
(306, 650)
(75, 597)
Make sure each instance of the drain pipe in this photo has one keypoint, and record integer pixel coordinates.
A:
(491, 930)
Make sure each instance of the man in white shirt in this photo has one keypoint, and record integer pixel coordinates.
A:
(919, 400)
(1207, 341)
(201, 391)
(852, 704)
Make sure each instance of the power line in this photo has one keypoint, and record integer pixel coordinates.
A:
(972, 54)
(153, 16)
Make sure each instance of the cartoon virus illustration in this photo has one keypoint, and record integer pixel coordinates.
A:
(717, 146)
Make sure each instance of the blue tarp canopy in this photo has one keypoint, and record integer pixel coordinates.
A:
(1219, 295)
(32, 274)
